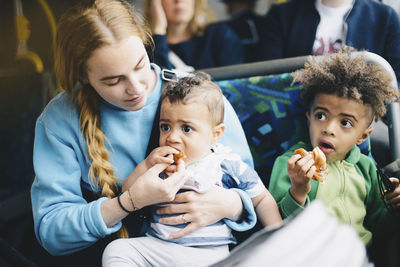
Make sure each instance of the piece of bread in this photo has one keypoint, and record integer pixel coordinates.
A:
(319, 162)
(179, 155)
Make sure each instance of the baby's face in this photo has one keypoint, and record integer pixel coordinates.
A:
(188, 128)
(337, 123)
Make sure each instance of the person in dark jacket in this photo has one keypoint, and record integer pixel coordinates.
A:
(184, 40)
(291, 29)
(247, 25)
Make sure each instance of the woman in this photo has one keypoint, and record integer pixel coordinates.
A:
(184, 41)
(90, 138)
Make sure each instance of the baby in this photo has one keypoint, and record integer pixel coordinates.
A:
(191, 121)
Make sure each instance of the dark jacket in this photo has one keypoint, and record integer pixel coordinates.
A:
(218, 46)
(247, 25)
(290, 28)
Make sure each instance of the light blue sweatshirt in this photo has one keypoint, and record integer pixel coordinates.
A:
(64, 222)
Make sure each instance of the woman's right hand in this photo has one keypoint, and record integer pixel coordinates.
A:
(162, 154)
(158, 19)
(147, 189)
(150, 189)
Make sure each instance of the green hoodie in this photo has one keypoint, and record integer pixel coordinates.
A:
(350, 192)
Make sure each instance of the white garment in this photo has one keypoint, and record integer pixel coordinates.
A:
(178, 63)
(329, 35)
(313, 238)
(150, 251)
(202, 175)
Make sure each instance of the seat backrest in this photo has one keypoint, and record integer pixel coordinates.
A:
(21, 100)
(272, 114)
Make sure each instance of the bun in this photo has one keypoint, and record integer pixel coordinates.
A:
(319, 162)
(179, 156)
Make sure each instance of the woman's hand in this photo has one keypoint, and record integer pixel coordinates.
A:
(199, 210)
(149, 188)
(160, 155)
(158, 19)
(301, 171)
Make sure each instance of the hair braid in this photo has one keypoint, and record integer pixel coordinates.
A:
(80, 31)
(101, 167)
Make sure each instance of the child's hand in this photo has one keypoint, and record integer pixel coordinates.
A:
(393, 198)
(162, 154)
(301, 171)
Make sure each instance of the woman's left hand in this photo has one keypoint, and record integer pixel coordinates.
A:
(201, 209)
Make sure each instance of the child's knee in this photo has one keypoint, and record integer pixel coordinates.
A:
(115, 247)
(118, 253)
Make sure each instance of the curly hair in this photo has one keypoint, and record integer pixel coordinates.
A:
(199, 88)
(350, 76)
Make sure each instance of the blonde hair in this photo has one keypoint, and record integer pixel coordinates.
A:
(201, 17)
(199, 88)
(80, 31)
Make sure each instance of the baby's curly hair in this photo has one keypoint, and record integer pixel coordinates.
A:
(199, 88)
(348, 76)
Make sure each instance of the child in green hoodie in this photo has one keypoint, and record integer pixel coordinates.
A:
(344, 94)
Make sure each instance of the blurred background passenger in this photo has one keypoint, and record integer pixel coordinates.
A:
(393, 3)
(185, 40)
(245, 22)
(304, 27)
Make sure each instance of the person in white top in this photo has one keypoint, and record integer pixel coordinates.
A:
(330, 31)
(393, 3)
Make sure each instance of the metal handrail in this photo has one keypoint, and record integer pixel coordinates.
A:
(257, 68)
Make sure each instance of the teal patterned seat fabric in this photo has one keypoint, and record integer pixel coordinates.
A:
(272, 114)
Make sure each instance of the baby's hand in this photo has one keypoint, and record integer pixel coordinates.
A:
(300, 171)
(393, 198)
(162, 154)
